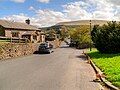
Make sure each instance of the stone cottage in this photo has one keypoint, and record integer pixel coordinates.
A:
(19, 30)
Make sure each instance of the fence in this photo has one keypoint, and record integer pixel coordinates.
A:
(14, 39)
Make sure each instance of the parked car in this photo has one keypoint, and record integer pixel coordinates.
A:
(49, 45)
(44, 48)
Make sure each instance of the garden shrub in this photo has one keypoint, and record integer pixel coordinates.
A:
(80, 36)
(106, 38)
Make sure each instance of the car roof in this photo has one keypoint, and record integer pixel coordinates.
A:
(43, 44)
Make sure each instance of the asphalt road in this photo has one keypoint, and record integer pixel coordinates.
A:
(64, 69)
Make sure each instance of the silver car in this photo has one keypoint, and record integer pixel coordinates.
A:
(44, 48)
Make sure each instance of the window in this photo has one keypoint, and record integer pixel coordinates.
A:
(15, 34)
(35, 37)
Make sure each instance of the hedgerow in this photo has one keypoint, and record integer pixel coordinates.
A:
(106, 38)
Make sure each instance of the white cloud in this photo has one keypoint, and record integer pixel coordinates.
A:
(42, 18)
(18, 1)
(44, 1)
(19, 18)
(104, 10)
(115, 2)
(49, 17)
(87, 9)
(31, 8)
(76, 11)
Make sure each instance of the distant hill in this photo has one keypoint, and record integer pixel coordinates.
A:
(83, 22)
(74, 24)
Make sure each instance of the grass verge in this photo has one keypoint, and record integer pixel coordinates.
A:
(109, 64)
(4, 41)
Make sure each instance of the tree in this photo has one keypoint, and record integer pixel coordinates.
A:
(63, 33)
(106, 38)
(50, 35)
(80, 35)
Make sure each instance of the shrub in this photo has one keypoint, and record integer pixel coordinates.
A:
(80, 36)
(50, 35)
(106, 38)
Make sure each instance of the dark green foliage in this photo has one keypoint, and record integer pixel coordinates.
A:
(63, 33)
(106, 38)
(50, 35)
(80, 36)
(60, 32)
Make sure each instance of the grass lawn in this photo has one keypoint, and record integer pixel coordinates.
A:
(109, 64)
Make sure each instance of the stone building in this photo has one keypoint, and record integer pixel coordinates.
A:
(19, 30)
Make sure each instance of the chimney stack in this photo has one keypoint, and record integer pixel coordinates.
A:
(27, 21)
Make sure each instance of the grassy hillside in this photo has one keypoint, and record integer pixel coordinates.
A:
(74, 24)
(84, 22)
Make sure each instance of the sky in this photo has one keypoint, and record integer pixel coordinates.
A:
(44, 13)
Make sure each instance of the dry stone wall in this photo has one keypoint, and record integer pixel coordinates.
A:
(10, 50)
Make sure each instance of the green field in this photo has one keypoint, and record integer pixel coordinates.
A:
(109, 64)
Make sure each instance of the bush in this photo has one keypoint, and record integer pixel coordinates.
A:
(80, 36)
(50, 35)
(106, 38)
(83, 46)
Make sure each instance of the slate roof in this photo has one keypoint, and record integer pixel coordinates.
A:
(17, 25)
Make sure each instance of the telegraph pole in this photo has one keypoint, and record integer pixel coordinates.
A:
(90, 36)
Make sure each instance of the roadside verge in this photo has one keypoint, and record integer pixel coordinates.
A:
(99, 74)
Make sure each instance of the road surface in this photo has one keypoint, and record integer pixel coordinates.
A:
(64, 69)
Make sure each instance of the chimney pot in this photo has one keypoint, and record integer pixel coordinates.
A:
(27, 21)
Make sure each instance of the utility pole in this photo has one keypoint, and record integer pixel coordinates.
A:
(90, 37)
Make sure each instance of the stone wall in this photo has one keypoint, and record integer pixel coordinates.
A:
(10, 50)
